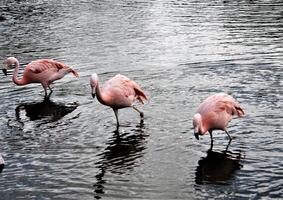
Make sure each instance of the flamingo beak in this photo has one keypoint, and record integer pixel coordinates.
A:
(196, 133)
(93, 92)
(197, 136)
(4, 71)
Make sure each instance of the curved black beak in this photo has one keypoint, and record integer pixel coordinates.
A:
(197, 136)
(4, 71)
(93, 95)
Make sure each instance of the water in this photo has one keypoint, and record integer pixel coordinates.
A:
(180, 52)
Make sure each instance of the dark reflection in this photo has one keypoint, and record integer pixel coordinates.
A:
(2, 164)
(1, 167)
(120, 155)
(2, 18)
(218, 167)
(45, 109)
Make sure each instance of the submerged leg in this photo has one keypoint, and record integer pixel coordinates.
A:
(141, 113)
(228, 134)
(49, 92)
(228, 145)
(46, 85)
(50, 89)
(45, 92)
(116, 115)
(211, 140)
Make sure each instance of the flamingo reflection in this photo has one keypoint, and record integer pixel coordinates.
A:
(218, 167)
(120, 156)
(46, 109)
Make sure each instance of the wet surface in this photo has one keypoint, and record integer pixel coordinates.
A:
(180, 52)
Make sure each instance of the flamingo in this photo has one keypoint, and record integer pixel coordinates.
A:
(118, 92)
(214, 113)
(2, 163)
(44, 71)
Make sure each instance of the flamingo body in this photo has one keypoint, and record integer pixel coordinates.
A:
(44, 71)
(214, 113)
(118, 92)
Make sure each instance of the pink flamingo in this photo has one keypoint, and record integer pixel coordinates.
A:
(118, 92)
(44, 71)
(214, 113)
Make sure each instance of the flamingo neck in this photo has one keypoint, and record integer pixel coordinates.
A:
(15, 76)
(202, 125)
(100, 95)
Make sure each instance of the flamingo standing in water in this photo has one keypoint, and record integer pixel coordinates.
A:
(214, 113)
(44, 71)
(118, 92)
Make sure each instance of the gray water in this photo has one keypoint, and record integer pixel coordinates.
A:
(180, 52)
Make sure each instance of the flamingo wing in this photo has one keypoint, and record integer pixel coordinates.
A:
(221, 102)
(131, 86)
(125, 87)
(140, 96)
(232, 108)
(43, 65)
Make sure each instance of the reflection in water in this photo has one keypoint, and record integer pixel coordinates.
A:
(217, 167)
(169, 47)
(45, 109)
(2, 18)
(1, 167)
(120, 155)
(2, 163)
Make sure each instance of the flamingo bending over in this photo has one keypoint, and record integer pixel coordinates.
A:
(118, 92)
(214, 113)
(44, 71)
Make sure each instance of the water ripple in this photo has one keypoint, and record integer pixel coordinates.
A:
(180, 52)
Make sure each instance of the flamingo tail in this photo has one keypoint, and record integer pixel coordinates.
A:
(64, 66)
(141, 97)
(75, 73)
(240, 111)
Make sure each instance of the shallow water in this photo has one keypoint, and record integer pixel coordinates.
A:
(180, 52)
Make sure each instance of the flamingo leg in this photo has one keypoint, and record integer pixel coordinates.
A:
(116, 115)
(45, 92)
(48, 96)
(228, 145)
(50, 90)
(141, 113)
(228, 135)
(211, 141)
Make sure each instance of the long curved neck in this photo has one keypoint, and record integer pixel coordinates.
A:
(15, 76)
(100, 95)
(203, 130)
(202, 125)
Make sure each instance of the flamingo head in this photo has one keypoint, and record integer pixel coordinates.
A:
(93, 84)
(197, 123)
(9, 63)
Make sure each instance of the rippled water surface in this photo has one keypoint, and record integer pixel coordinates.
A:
(180, 52)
